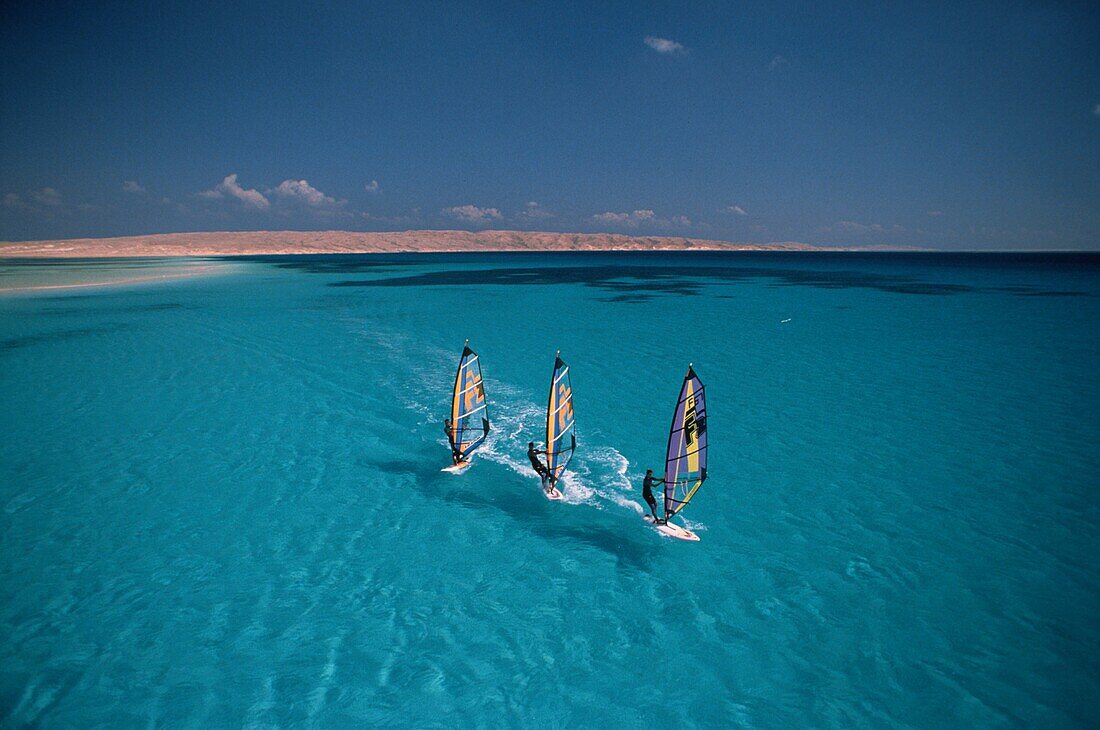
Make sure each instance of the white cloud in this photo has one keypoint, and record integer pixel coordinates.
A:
(664, 45)
(302, 192)
(625, 219)
(472, 213)
(13, 201)
(132, 187)
(641, 217)
(778, 62)
(47, 196)
(1096, 110)
(534, 211)
(736, 209)
(372, 187)
(229, 187)
(935, 213)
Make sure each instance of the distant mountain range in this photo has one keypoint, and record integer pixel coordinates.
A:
(305, 242)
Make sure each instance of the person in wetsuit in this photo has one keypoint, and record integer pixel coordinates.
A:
(456, 455)
(536, 462)
(647, 493)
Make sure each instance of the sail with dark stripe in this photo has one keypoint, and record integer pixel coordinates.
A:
(469, 424)
(686, 463)
(561, 440)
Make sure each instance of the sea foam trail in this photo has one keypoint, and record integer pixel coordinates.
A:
(595, 475)
(515, 422)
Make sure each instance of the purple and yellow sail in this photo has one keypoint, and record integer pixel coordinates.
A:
(686, 463)
(469, 424)
(561, 440)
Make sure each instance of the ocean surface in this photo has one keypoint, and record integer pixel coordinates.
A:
(221, 501)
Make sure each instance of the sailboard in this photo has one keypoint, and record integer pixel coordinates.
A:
(468, 426)
(686, 460)
(561, 438)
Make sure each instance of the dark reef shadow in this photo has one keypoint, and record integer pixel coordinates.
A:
(637, 284)
(331, 263)
(24, 341)
(636, 277)
(110, 309)
(1027, 291)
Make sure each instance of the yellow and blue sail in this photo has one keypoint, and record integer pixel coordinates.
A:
(469, 424)
(686, 463)
(561, 440)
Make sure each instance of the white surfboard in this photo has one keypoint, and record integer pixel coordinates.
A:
(671, 529)
(456, 468)
(553, 494)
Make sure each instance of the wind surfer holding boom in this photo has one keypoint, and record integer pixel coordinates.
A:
(647, 493)
(456, 455)
(536, 462)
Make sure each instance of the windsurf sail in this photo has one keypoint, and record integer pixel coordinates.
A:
(561, 440)
(469, 423)
(686, 464)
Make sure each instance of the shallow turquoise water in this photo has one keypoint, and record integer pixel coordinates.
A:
(221, 504)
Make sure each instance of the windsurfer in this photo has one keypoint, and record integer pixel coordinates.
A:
(456, 455)
(647, 493)
(536, 462)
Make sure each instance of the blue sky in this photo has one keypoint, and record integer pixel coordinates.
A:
(970, 125)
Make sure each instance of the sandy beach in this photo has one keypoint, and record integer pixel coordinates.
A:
(313, 242)
(174, 274)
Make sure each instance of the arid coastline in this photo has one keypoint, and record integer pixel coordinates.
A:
(317, 242)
